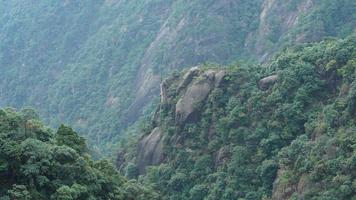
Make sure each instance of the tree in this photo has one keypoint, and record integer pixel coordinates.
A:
(19, 192)
(131, 171)
(63, 193)
(66, 136)
(198, 192)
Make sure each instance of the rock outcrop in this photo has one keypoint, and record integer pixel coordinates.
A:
(283, 190)
(192, 89)
(150, 150)
(221, 156)
(187, 78)
(198, 85)
(267, 82)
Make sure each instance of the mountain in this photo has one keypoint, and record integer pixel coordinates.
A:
(97, 65)
(284, 130)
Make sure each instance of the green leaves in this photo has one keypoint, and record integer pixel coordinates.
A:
(66, 136)
(131, 171)
(75, 192)
(19, 192)
(293, 140)
(35, 164)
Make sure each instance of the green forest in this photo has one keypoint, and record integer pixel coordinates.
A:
(97, 65)
(178, 100)
(38, 163)
(294, 138)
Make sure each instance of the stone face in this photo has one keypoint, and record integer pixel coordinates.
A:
(150, 150)
(188, 77)
(281, 191)
(163, 94)
(196, 93)
(219, 77)
(195, 87)
(284, 190)
(192, 89)
(221, 156)
(267, 82)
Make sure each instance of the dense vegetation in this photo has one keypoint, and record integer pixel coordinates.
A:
(95, 64)
(279, 124)
(295, 139)
(37, 164)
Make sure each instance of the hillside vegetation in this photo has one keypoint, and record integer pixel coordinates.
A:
(38, 164)
(257, 100)
(97, 64)
(283, 131)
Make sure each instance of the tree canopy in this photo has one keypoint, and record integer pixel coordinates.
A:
(37, 163)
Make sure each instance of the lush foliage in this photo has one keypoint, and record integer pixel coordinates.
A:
(95, 64)
(36, 164)
(295, 140)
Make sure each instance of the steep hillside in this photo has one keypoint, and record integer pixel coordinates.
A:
(284, 132)
(97, 64)
(36, 164)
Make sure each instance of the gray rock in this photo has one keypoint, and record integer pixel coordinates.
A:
(267, 82)
(219, 78)
(221, 156)
(195, 87)
(193, 90)
(188, 77)
(150, 150)
(164, 90)
(196, 93)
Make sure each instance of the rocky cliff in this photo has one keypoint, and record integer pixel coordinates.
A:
(192, 88)
(286, 132)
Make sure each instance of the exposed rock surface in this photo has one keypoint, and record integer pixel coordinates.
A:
(150, 150)
(221, 156)
(164, 91)
(284, 190)
(188, 77)
(192, 89)
(286, 18)
(219, 77)
(197, 91)
(267, 82)
(281, 190)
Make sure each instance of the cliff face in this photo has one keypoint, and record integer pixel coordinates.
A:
(192, 88)
(277, 21)
(230, 34)
(236, 132)
(150, 150)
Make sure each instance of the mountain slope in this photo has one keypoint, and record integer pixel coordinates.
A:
(284, 132)
(97, 64)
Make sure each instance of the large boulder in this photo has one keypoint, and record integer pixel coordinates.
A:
(150, 150)
(267, 82)
(193, 89)
(195, 93)
(188, 78)
(220, 77)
